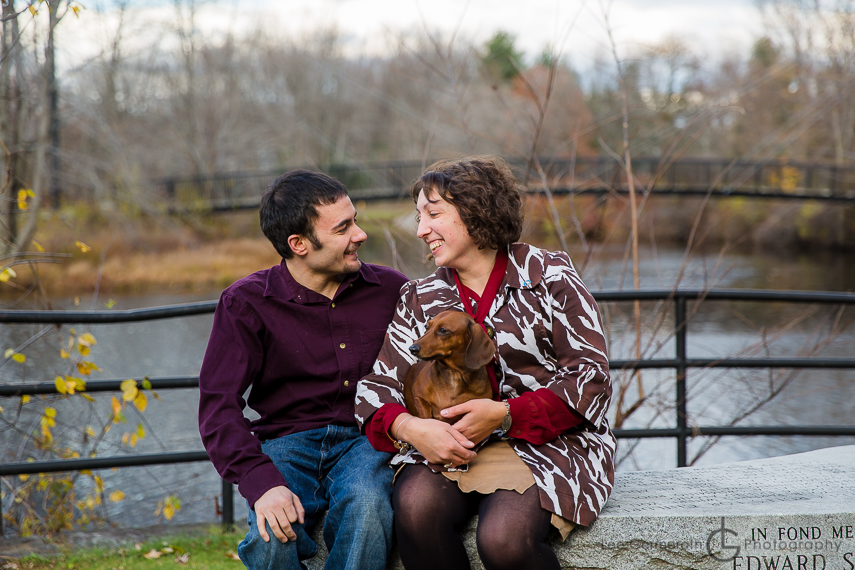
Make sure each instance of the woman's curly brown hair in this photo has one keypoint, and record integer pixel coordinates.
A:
(484, 192)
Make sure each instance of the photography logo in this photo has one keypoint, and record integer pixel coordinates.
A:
(717, 543)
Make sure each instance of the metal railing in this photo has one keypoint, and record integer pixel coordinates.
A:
(783, 179)
(681, 363)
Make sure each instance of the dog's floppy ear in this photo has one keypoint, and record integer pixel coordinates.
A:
(480, 350)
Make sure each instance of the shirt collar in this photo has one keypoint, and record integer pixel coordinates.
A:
(525, 270)
(281, 284)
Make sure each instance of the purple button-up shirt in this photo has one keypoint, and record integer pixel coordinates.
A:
(300, 354)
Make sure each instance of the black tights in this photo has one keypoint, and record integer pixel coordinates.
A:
(430, 511)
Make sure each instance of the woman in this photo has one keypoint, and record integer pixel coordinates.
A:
(554, 463)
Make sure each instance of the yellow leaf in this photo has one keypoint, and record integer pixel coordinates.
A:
(168, 512)
(23, 477)
(38, 246)
(9, 352)
(18, 357)
(33, 11)
(83, 247)
(7, 274)
(90, 432)
(110, 304)
(141, 402)
(1, 409)
(50, 412)
(116, 407)
(79, 383)
(84, 350)
(88, 397)
(22, 194)
(116, 496)
(64, 353)
(125, 437)
(140, 431)
(99, 484)
(86, 339)
(133, 440)
(130, 394)
(86, 368)
(76, 10)
(60, 385)
(25, 399)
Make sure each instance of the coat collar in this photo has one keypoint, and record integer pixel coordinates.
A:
(525, 268)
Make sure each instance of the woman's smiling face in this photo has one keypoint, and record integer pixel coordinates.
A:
(441, 228)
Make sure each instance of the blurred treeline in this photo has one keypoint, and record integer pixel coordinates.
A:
(162, 98)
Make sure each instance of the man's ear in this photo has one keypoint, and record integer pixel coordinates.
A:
(297, 243)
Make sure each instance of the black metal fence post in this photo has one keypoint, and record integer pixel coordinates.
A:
(228, 507)
(680, 346)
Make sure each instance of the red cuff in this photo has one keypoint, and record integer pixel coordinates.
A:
(541, 416)
(377, 428)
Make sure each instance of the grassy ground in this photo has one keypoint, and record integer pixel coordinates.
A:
(212, 550)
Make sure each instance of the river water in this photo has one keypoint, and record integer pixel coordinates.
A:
(717, 330)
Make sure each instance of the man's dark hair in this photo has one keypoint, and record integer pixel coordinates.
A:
(484, 192)
(290, 207)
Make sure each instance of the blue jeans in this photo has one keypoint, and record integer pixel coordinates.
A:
(335, 469)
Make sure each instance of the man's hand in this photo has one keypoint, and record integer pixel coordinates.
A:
(479, 418)
(437, 441)
(279, 507)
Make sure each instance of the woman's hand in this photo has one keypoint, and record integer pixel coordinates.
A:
(437, 441)
(479, 418)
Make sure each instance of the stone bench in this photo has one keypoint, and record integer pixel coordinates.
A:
(795, 512)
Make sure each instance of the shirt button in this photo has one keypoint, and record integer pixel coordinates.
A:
(341, 345)
(347, 382)
(333, 305)
(350, 284)
(519, 432)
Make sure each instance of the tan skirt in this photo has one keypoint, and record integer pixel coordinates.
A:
(497, 466)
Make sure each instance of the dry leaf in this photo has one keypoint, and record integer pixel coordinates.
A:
(152, 554)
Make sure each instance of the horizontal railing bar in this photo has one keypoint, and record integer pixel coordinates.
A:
(737, 430)
(110, 316)
(163, 383)
(834, 363)
(177, 382)
(54, 466)
(833, 297)
(24, 468)
(204, 307)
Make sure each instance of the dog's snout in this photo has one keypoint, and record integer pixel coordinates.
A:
(414, 349)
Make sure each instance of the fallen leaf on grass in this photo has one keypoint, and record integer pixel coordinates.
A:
(138, 546)
(152, 554)
(233, 555)
(183, 559)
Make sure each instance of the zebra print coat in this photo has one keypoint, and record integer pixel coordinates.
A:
(549, 334)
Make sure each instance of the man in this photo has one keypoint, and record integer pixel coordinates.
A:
(299, 336)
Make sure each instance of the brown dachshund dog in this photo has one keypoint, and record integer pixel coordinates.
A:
(453, 354)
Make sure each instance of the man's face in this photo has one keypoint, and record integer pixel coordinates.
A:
(338, 236)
